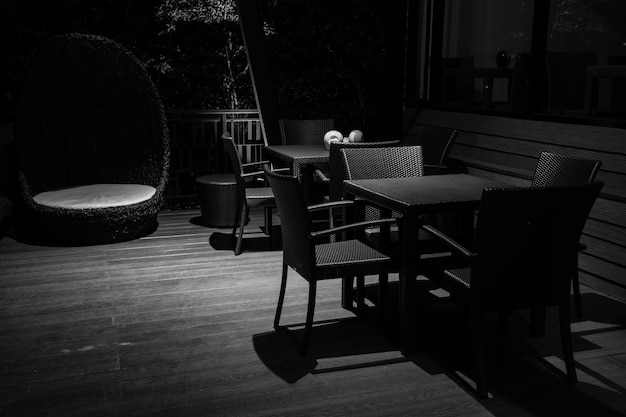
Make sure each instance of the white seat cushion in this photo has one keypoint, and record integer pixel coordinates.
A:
(96, 196)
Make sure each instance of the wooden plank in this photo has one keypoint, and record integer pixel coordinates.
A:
(488, 159)
(605, 231)
(592, 138)
(603, 286)
(606, 251)
(610, 161)
(505, 161)
(170, 325)
(601, 269)
(613, 212)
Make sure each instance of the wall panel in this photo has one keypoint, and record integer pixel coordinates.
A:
(507, 149)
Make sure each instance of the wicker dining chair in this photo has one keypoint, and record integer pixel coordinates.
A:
(553, 170)
(386, 162)
(525, 241)
(436, 143)
(311, 254)
(247, 196)
(305, 131)
(336, 174)
(308, 132)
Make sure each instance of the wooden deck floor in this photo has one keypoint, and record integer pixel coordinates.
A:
(175, 325)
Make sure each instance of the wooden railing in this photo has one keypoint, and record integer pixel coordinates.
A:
(196, 149)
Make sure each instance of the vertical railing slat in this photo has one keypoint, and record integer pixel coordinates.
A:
(195, 147)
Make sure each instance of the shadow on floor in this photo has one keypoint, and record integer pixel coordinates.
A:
(342, 338)
(252, 242)
(519, 370)
(20, 230)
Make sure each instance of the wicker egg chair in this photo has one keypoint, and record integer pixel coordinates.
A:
(89, 114)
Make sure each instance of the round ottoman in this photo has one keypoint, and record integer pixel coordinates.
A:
(217, 194)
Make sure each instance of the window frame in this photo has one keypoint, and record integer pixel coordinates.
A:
(424, 47)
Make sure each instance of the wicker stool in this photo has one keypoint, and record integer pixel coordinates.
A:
(217, 194)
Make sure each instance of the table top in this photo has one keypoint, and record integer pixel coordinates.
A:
(428, 193)
(306, 153)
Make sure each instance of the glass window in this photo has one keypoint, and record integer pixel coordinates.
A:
(483, 44)
(558, 57)
(586, 41)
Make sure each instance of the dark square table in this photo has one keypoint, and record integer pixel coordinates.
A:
(413, 197)
(302, 160)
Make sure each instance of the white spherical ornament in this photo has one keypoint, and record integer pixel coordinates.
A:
(356, 136)
(332, 136)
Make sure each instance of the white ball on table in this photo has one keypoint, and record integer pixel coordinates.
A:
(332, 136)
(356, 136)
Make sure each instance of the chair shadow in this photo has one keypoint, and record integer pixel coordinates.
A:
(519, 374)
(599, 308)
(520, 366)
(223, 240)
(22, 231)
(351, 339)
(251, 243)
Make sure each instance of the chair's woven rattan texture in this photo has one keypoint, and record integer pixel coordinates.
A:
(246, 196)
(336, 172)
(295, 222)
(305, 131)
(217, 194)
(89, 114)
(388, 162)
(525, 241)
(346, 253)
(313, 259)
(556, 170)
(553, 169)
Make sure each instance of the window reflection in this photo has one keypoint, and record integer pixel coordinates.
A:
(483, 43)
(486, 59)
(585, 48)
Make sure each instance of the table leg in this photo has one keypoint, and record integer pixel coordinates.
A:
(306, 181)
(409, 266)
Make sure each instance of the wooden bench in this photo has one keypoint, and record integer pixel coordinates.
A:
(507, 149)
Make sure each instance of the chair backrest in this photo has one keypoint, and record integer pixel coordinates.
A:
(388, 162)
(336, 171)
(526, 240)
(305, 131)
(89, 114)
(435, 141)
(295, 222)
(235, 160)
(553, 170)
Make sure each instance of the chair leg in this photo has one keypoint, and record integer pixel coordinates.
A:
(477, 353)
(235, 226)
(268, 222)
(383, 285)
(308, 327)
(576, 288)
(566, 342)
(347, 296)
(360, 293)
(242, 222)
(281, 296)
